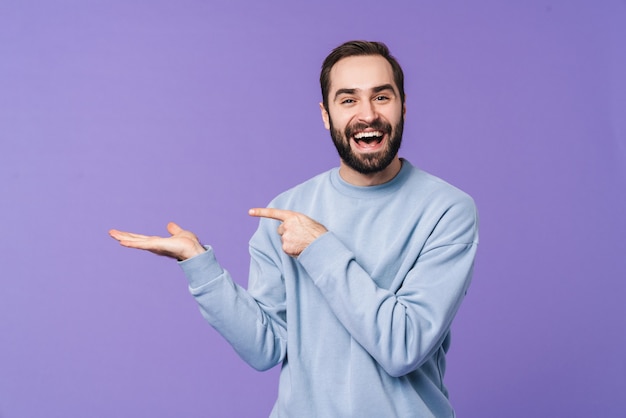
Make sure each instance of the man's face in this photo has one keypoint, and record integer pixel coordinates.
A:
(365, 113)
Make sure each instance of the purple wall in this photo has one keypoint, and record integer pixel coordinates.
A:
(129, 114)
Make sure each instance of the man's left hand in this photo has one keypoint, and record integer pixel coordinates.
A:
(296, 230)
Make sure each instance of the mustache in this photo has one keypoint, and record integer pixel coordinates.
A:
(376, 124)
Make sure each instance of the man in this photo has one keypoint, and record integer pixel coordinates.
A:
(357, 273)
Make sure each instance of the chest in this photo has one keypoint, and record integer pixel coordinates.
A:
(386, 236)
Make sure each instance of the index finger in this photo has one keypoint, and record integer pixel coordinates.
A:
(272, 213)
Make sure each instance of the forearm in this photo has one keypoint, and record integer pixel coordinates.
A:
(258, 338)
(400, 330)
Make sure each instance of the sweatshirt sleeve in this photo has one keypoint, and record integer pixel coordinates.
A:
(254, 325)
(400, 330)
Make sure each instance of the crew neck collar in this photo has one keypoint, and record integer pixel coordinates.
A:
(378, 190)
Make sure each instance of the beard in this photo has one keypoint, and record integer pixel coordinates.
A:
(368, 163)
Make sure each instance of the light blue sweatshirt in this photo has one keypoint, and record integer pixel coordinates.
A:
(361, 319)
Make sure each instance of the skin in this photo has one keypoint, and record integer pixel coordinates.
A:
(362, 90)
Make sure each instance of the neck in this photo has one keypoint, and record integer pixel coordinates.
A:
(355, 178)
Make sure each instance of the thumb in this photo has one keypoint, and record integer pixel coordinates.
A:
(173, 229)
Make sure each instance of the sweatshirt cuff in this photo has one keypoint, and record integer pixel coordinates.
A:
(201, 269)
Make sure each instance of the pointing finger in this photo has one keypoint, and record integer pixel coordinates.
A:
(272, 213)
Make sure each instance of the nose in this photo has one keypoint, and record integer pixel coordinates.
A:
(367, 111)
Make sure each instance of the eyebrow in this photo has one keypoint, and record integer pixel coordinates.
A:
(376, 89)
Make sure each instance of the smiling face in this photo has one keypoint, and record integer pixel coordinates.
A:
(365, 117)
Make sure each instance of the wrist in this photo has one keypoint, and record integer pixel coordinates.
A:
(196, 250)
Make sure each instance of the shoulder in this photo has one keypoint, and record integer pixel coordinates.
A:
(450, 211)
(431, 189)
(453, 212)
(303, 191)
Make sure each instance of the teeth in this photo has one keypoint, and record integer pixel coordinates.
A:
(361, 135)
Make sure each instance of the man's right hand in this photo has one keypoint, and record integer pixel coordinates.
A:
(181, 245)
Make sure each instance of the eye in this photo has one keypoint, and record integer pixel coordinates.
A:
(381, 98)
(347, 101)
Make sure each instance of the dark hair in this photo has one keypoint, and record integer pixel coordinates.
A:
(359, 48)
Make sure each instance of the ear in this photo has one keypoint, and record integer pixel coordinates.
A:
(325, 116)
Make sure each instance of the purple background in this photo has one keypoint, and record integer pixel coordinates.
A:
(129, 114)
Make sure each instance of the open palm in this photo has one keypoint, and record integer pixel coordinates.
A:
(181, 244)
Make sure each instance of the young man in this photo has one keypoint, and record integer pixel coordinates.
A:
(357, 273)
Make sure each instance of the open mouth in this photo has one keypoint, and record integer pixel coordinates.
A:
(369, 140)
